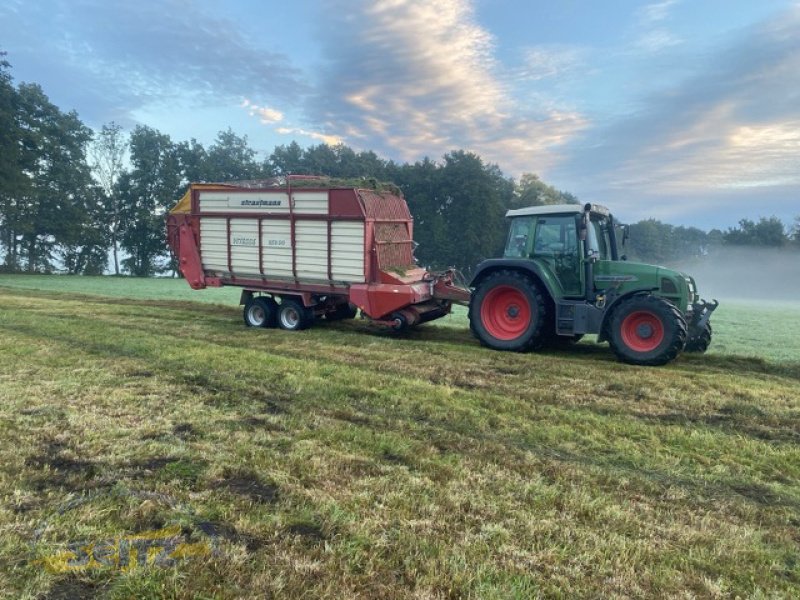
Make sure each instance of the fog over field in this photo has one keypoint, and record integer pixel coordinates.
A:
(747, 273)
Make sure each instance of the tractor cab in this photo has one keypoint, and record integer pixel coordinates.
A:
(560, 239)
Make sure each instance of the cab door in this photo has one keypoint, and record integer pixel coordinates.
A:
(556, 249)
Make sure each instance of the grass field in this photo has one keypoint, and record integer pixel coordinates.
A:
(347, 462)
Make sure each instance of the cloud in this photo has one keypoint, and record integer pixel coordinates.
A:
(120, 56)
(413, 78)
(729, 131)
(653, 36)
(329, 139)
(545, 61)
(266, 114)
(656, 11)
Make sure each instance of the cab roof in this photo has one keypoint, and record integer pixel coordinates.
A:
(552, 209)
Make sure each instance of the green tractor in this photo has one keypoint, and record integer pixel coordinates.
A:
(562, 277)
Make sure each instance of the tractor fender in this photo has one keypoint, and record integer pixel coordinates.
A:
(549, 283)
(612, 304)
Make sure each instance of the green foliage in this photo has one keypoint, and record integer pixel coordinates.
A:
(43, 208)
(767, 232)
(108, 153)
(652, 241)
(12, 182)
(230, 158)
(147, 191)
(288, 160)
(796, 232)
(337, 161)
(532, 191)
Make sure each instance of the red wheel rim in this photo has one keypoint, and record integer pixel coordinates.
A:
(505, 313)
(642, 331)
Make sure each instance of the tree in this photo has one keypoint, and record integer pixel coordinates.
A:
(796, 231)
(286, 160)
(84, 243)
(147, 191)
(229, 158)
(193, 159)
(532, 191)
(768, 232)
(472, 206)
(12, 182)
(108, 157)
(53, 159)
(321, 160)
(420, 184)
(656, 242)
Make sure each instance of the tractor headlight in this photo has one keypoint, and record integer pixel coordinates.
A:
(692, 290)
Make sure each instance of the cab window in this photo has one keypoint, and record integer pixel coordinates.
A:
(599, 238)
(556, 235)
(519, 238)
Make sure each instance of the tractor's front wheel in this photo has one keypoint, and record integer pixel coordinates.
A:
(508, 312)
(647, 330)
(699, 339)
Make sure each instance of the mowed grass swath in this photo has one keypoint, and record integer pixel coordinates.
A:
(348, 461)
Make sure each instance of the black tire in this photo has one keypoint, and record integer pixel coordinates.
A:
(343, 311)
(699, 339)
(508, 311)
(260, 312)
(647, 330)
(293, 316)
(400, 322)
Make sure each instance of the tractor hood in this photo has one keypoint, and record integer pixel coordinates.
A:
(629, 276)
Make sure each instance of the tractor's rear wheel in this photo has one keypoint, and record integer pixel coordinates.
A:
(260, 312)
(647, 330)
(508, 312)
(699, 339)
(293, 316)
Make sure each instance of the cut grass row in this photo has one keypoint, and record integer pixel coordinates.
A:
(343, 461)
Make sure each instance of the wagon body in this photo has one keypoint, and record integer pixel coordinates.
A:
(324, 246)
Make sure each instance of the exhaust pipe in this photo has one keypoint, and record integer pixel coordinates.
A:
(588, 262)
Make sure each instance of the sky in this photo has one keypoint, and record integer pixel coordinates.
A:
(686, 111)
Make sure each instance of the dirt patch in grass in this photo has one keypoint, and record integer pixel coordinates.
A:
(72, 589)
(185, 431)
(140, 373)
(311, 531)
(229, 533)
(250, 487)
(150, 465)
(260, 423)
(57, 470)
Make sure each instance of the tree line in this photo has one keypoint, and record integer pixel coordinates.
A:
(76, 201)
